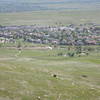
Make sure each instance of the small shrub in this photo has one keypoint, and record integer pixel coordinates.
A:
(60, 54)
(90, 49)
(71, 54)
(84, 76)
(55, 75)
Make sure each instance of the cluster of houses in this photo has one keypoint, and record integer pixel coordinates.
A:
(83, 34)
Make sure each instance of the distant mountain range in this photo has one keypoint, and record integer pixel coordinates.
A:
(37, 5)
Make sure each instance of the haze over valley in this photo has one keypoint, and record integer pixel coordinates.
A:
(37, 5)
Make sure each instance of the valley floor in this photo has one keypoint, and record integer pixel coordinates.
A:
(63, 17)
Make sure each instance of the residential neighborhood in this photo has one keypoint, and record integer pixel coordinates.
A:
(83, 34)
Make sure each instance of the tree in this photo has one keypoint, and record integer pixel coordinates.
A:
(78, 49)
(19, 45)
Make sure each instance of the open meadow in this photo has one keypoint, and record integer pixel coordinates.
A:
(43, 75)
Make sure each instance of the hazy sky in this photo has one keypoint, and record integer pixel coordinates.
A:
(53, 0)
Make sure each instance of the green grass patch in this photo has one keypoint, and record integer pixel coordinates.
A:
(29, 76)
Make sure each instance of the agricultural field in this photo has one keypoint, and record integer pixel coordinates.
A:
(32, 74)
(50, 17)
(49, 12)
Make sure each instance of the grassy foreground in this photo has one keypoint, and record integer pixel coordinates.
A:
(50, 17)
(28, 76)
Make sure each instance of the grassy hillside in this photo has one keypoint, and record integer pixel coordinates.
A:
(50, 17)
(28, 75)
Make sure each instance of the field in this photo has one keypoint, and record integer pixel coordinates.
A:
(28, 75)
(48, 17)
